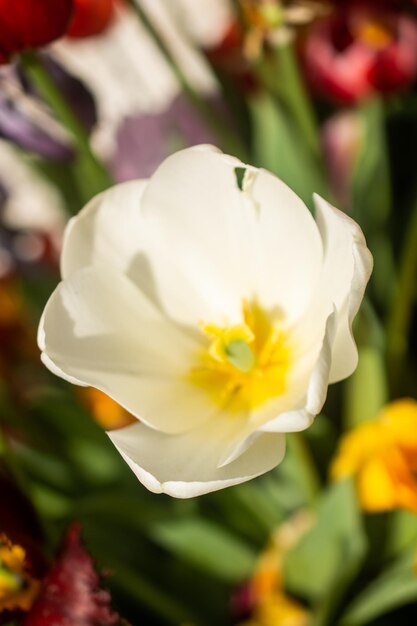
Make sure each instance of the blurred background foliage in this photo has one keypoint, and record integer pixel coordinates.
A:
(324, 95)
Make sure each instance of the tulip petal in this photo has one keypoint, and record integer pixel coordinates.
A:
(230, 243)
(106, 232)
(186, 465)
(141, 363)
(289, 250)
(346, 271)
(297, 420)
(286, 419)
(110, 231)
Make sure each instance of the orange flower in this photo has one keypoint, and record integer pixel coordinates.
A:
(106, 412)
(382, 456)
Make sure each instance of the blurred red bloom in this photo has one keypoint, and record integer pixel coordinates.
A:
(70, 594)
(91, 17)
(361, 49)
(31, 24)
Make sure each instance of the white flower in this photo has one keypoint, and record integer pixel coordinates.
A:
(215, 312)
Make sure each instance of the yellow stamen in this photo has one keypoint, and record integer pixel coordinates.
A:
(246, 364)
(232, 345)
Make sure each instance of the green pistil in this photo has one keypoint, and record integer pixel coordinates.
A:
(240, 355)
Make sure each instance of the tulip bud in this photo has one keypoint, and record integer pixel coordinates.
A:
(342, 138)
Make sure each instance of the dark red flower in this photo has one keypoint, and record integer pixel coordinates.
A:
(91, 17)
(31, 23)
(361, 49)
(70, 594)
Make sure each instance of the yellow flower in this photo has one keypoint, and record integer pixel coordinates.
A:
(17, 589)
(271, 605)
(279, 610)
(382, 456)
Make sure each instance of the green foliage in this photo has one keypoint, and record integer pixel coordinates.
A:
(279, 146)
(395, 587)
(326, 560)
(208, 546)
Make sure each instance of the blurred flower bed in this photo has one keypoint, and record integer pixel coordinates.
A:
(324, 96)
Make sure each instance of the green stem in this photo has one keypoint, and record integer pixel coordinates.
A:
(297, 97)
(280, 75)
(229, 140)
(98, 177)
(363, 401)
(399, 318)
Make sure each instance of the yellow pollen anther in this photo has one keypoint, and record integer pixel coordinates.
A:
(232, 345)
(246, 364)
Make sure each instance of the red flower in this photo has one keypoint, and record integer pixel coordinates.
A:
(91, 17)
(359, 50)
(70, 594)
(31, 24)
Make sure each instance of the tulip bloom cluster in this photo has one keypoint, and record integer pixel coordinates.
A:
(26, 24)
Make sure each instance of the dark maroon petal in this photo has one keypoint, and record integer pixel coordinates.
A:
(31, 23)
(70, 594)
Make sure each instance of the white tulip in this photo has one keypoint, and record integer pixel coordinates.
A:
(217, 313)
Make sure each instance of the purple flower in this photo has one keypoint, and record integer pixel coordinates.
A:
(143, 142)
(25, 119)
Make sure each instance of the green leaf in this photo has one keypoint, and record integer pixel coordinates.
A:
(279, 146)
(396, 587)
(402, 533)
(324, 562)
(207, 546)
(290, 91)
(371, 178)
(372, 197)
(362, 400)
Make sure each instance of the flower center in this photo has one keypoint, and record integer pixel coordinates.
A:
(231, 345)
(374, 34)
(246, 364)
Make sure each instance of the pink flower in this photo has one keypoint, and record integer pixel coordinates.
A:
(361, 49)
